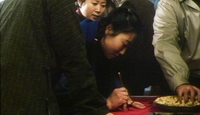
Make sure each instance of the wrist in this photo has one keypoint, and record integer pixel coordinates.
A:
(108, 104)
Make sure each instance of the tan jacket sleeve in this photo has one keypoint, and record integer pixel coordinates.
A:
(165, 41)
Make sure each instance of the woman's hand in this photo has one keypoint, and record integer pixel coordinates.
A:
(135, 104)
(138, 105)
(118, 97)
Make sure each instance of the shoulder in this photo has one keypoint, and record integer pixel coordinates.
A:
(170, 2)
(89, 22)
(170, 7)
(89, 25)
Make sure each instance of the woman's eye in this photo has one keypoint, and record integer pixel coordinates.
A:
(103, 6)
(94, 4)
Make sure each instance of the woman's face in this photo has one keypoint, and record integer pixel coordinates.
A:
(93, 9)
(114, 46)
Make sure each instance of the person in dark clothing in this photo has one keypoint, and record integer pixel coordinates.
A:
(110, 42)
(93, 9)
(115, 33)
(39, 40)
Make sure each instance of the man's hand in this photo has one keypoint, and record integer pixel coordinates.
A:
(118, 97)
(187, 92)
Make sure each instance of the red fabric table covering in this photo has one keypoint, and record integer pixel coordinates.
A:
(147, 101)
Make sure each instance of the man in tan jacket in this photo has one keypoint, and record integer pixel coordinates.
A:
(177, 45)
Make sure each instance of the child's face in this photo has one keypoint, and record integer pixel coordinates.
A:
(114, 46)
(93, 9)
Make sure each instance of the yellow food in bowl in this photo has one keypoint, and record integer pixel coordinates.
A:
(174, 101)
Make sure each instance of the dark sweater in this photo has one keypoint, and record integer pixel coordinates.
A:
(37, 38)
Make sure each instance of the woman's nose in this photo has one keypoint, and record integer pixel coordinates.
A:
(98, 8)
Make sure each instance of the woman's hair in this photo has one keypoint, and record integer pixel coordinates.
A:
(123, 20)
(108, 3)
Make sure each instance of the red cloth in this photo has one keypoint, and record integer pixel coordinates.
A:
(147, 101)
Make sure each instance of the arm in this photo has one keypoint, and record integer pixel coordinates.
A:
(167, 50)
(69, 48)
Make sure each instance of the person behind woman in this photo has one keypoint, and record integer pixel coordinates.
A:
(93, 9)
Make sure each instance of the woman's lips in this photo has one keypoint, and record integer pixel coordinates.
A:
(95, 16)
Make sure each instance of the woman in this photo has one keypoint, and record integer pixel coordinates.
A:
(140, 64)
(93, 9)
(115, 33)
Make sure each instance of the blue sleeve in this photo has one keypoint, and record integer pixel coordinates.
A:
(89, 29)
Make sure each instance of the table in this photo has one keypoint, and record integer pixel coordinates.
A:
(149, 110)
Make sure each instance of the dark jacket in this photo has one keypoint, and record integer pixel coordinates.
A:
(97, 60)
(105, 74)
(39, 37)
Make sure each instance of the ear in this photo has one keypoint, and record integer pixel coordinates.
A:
(79, 2)
(109, 29)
